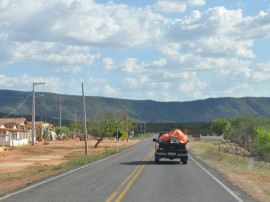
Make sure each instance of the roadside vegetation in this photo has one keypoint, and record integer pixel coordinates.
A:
(251, 133)
(105, 125)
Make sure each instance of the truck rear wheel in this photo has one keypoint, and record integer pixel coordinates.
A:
(156, 159)
(184, 160)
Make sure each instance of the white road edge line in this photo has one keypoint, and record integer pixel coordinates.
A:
(218, 181)
(67, 173)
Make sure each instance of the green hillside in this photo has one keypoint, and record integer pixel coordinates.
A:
(48, 105)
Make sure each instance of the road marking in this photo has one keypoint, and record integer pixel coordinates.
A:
(112, 196)
(128, 182)
(218, 181)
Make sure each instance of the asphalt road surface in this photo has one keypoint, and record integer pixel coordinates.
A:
(133, 176)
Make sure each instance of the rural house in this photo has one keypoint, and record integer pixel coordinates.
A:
(14, 132)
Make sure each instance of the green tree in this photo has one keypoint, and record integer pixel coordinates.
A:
(263, 143)
(76, 126)
(60, 131)
(105, 124)
(243, 132)
(220, 126)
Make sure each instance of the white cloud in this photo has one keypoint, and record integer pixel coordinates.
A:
(178, 75)
(80, 22)
(257, 27)
(192, 85)
(160, 62)
(169, 6)
(216, 32)
(66, 58)
(24, 82)
(110, 91)
(171, 49)
(131, 65)
(108, 64)
(136, 82)
(261, 72)
(264, 67)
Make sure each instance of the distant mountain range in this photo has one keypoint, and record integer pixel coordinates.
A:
(48, 105)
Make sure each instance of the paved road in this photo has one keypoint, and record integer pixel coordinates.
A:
(133, 176)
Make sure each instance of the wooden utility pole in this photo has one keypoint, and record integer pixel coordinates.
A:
(60, 112)
(84, 124)
(34, 112)
(127, 122)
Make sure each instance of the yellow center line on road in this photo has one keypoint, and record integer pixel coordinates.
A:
(130, 180)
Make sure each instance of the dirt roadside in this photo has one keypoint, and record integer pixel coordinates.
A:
(22, 165)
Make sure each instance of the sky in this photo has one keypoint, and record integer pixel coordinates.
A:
(163, 50)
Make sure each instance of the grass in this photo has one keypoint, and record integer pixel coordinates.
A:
(83, 159)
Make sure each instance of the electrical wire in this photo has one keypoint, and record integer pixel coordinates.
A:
(18, 106)
(45, 96)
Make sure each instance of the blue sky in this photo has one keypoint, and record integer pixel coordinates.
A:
(164, 50)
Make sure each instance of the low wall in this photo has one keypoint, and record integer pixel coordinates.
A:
(211, 138)
(18, 142)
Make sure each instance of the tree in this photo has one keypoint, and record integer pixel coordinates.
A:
(76, 126)
(105, 124)
(220, 126)
(262, 143)
(60, 131)
(243, 131)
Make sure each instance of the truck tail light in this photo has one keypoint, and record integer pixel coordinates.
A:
(157, 147)
(186, 149)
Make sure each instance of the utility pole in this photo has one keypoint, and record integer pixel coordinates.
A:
(84, 124)
(75, 119)
(127, 122)
(141, 124)
(34, 111)
(60, 112)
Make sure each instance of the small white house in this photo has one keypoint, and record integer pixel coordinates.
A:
(14, 132)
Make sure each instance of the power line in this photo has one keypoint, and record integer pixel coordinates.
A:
(56, 97)
(18, 106)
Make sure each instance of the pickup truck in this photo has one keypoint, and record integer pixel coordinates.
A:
(170, 150)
